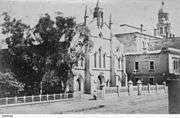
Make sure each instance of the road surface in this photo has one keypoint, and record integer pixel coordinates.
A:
(154, 103)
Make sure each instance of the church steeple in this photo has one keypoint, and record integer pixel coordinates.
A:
(163, 25)
(98, 14)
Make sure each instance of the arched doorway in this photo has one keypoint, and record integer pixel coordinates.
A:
(118, 80)
(79, 83)
(101, 79)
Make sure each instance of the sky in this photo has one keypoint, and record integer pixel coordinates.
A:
(132, 12)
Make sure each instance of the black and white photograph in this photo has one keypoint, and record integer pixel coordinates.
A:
(90, 57)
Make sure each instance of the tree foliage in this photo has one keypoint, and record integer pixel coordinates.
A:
(8, 80)
(43, 53)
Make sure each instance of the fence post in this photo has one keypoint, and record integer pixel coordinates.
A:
(139, 87)
(149, 88)
(6, 100)
(130, 88)
(156, 86)
(164, 83)
(24, 99)
(47, 96)
(32, 97)
(74, 95)
(54, 96)
(118, 91)
(15, 98)
(40, 98)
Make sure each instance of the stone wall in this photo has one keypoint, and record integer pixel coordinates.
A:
(144, 73)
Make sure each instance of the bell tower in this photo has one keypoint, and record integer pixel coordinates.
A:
(98, 15)
(163, 25)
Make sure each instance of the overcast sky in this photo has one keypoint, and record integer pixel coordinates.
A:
(132, 12)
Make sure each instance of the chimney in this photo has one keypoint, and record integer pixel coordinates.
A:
(155, 31)
(141, 27)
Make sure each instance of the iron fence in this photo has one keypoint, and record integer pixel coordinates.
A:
(109, 90)
(10, 101)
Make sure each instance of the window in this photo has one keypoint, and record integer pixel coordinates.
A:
(99, 57)
(82, 62)
(161, 30)
(119, 63)
(104, 60)
(166, 30)
(136, 65)
(151, 65)
(95, 63)
(174, 63)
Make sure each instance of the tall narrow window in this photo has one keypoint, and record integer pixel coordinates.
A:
(136, 65)
(99, 57)
(166, 30)
(104, 60)
(82, 62)
(95, 63)
(151, 65)
(161, 30)
(174, 63)
(119, 63)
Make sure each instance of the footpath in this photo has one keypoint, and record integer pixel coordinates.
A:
(112, 103)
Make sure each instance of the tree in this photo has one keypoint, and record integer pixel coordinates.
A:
(8, 81)
(44, 53)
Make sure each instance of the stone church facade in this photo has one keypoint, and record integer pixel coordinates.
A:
(105, 63)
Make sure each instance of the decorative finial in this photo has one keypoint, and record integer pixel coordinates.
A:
(85, 16)
(162, 3)
(97, 4)
(110, 21)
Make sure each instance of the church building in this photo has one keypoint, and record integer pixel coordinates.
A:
(104, 64)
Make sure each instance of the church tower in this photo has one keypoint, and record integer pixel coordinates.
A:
(98, 15)
(163, 25)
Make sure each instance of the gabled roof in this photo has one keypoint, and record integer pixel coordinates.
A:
(163, 50)
(140, 33)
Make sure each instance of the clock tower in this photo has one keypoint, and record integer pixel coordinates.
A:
(163, 25)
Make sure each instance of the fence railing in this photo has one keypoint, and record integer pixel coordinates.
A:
(109, 90)
(39, 99)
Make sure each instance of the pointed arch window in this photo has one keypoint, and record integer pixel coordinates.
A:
(82, 61)
(104, 60)
(119, 63)
(95, 62)
(99, 57)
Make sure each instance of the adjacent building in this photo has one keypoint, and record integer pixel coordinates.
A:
(137, 41)
(153, 67)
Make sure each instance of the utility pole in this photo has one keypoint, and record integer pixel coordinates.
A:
(87, 71)
(112, 72)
